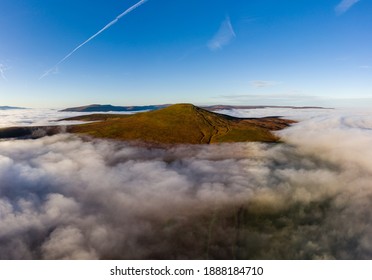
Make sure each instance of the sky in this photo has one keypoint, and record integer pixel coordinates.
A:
(62, 53)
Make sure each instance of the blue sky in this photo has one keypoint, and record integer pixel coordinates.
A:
(260, 52)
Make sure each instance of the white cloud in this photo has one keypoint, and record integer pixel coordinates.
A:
(223, 37)
(294, 98)
(3, 68)
(345, 5)
(262, 84)
(39, 117)
(297, 114)
(65, 197)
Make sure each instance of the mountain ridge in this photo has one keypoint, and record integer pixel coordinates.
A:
(111, 108)
(179, 124)
(10, 108)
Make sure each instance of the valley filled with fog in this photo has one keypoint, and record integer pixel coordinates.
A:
(67, 197)
(39, 117)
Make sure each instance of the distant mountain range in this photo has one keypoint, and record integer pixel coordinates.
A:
(111, 108)
(10, 108)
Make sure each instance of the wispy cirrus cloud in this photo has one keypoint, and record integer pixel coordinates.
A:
(223, 37)
(344, 6)
(262, 83)
(3, 68)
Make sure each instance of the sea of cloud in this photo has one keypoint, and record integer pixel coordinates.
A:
(39, 117)
(66, 197)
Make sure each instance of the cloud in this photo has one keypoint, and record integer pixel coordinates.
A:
(298, 114)
(282, 99)
(344, 6)
(38, 117)
(54, 69)
(365, 67)
(65, 197)
(223, 37)
(3, 68)
(262, 84)
(270, 96)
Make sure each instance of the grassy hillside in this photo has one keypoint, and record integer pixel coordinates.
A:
(181, 123)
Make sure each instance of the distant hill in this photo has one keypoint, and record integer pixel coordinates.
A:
(28, 132)
(10, 108)
(110, 108)
(180, 123)
(232, 107)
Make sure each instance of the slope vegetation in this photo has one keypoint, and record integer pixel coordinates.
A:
(180, 123)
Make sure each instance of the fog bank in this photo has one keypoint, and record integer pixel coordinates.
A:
(63, 197)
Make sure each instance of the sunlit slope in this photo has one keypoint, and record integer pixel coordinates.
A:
(180, 123)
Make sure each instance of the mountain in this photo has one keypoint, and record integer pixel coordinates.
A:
(110, 108)
(29, 132)
(10, 108)
(180, 123)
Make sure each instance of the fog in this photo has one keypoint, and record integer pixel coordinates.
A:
(66, 197)
(40, 117)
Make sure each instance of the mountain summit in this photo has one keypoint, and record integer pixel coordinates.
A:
(180, 124)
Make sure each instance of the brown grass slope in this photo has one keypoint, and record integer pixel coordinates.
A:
(180, 124)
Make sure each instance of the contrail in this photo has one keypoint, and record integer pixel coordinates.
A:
(95, 35)
(223, 37)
